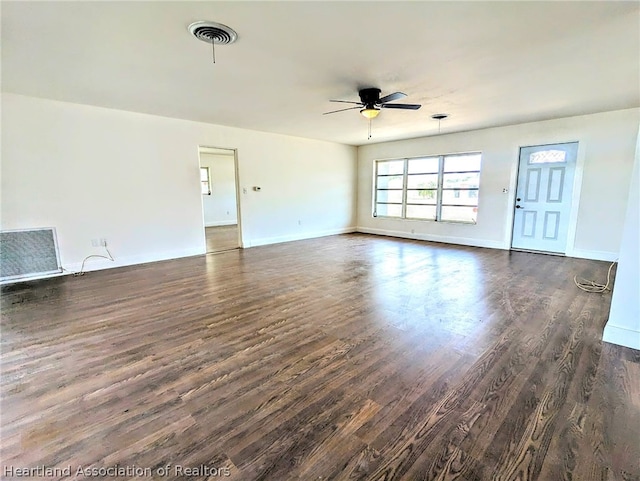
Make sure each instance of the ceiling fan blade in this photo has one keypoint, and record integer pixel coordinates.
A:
(391, 97)
(401, 106)
(346, 102)
(342, 110)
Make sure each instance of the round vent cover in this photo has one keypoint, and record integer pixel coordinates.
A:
(212, 32)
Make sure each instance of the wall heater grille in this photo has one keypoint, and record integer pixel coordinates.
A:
(27, 253)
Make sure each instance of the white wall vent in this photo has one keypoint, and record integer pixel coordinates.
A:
(27, 253)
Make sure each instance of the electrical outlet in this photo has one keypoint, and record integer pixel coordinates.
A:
(95, 243)
(244, 190)
(103, 242)
(299, 222)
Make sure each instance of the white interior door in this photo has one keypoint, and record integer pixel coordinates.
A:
(543, 197)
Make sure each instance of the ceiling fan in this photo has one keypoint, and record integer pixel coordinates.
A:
(371, 103)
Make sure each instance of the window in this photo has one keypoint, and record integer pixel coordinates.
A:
(205, 181)
(547, 157)
(440, 188)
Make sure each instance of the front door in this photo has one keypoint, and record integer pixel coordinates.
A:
(543, 197)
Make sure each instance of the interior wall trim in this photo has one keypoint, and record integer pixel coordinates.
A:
(465, 241)
(621, 336)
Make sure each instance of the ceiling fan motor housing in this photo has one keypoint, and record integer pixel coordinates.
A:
(369, 97)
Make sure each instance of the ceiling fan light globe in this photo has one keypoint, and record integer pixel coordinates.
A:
(370, 113)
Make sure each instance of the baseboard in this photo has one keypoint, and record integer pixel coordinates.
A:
(593, 255)
(295, 237)
(621, 336)
(465, 241)
(96, 264)
(220, 223)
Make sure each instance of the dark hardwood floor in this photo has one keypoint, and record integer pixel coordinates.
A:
(222, 238)
(351, 357)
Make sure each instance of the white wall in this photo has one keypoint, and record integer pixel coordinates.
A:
(605, 159)
(623, 326)
(220, 207)
(134, 180)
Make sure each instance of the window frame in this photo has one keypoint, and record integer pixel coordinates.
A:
(403, 191)
(440, 189)
(207, 182)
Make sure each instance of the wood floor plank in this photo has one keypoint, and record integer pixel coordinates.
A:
(493, 394)
(221, 238)
(350, 357)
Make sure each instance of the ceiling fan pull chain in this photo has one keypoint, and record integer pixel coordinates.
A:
(213, 51)
(369, 137)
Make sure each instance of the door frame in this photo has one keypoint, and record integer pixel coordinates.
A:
(575, 195)
(236, 171)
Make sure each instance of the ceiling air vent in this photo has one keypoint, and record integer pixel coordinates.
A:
(212, 32)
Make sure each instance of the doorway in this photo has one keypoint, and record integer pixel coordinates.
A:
(543, 197)
(218, 185)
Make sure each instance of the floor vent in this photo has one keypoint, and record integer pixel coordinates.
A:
(28, 253)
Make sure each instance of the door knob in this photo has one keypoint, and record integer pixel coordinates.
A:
(518, 207)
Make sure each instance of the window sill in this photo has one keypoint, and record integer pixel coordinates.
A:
(426, 220)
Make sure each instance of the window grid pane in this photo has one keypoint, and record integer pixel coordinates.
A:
(460, 197)
(422, 181)
(425, 165)
(422, 212)
(390, 182)
(459, 214)
(390, 167)
(461, 181)
(462, 163)
(389, 196)
(389, 210)
(425, 196)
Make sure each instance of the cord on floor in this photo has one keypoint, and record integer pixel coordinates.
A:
(592, 286)
(81, 271)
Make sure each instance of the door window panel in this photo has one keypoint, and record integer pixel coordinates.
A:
(547, 157)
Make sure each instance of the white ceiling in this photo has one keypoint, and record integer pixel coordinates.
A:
(484, 63)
